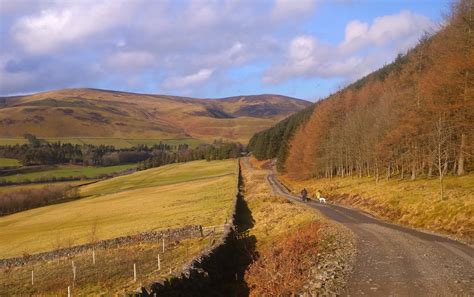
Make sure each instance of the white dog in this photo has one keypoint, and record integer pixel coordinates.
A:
(322, 200)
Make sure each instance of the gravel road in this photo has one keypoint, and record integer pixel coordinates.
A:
(396, 261)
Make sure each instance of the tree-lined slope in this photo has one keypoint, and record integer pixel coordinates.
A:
(101, 113)
(412, 117)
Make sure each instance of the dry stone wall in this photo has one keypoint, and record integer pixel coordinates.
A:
(186, 232)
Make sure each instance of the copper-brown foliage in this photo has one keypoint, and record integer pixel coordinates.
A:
(282, 268)
(391, 118)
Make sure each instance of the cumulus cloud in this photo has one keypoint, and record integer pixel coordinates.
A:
(68, 23)
(402, 28)
(188, 80)
(285, 9)
(364, 48)
(183, 45)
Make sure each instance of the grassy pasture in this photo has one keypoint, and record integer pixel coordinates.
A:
(116, 142)
(7, 189)
(197, 192)
(68, 171)
(414, 203)
(7, 162)
(113, 271)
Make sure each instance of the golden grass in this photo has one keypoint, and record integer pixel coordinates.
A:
(197, 192)
(276, 222)
(274, 216)
(112, 273)
(413, 203)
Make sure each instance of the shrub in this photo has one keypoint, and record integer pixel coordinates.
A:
(24, 199)
(282, 268)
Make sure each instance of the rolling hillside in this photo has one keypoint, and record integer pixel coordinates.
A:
(101, 113)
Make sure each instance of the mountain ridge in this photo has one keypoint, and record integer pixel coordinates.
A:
(85, 112)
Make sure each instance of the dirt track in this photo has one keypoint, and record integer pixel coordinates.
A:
(397, 261)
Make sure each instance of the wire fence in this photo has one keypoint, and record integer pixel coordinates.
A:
(121, 268)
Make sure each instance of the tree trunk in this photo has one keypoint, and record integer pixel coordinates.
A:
(413, 171)
(461, 155)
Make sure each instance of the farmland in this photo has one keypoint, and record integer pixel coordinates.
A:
(8, 189)
(7, 162)
(175, 195)
(67, 171)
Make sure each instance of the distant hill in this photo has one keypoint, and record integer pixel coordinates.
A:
(103, 113)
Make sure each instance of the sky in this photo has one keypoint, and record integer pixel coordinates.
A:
(207, 49)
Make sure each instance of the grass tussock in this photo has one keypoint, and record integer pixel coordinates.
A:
(282, 268)
(413, 203)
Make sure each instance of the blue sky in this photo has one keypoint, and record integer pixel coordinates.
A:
(301, 48)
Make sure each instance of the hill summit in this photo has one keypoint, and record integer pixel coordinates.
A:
(104, 113)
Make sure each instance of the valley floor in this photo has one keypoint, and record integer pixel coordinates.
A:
(154, 200)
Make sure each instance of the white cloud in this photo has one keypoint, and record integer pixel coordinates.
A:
(181, 45)
(69, 23)
(188, 80)
(402, 27)
(357, 55)
(286, 9)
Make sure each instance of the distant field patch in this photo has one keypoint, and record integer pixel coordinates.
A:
(198, 192)
(12, 141)
(7, 162)
(116, 142)
(67, 171)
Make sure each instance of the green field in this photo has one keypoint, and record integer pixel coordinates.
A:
(8, 189)
(7, 162)
(198, 192)
(116, 142)
(68, 171)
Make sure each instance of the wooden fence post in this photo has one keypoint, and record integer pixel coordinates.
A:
(32, 277)
(68, 291)
(163, 244)
(73, 271)
(93, 257)
(134, 272)
(159, 262)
